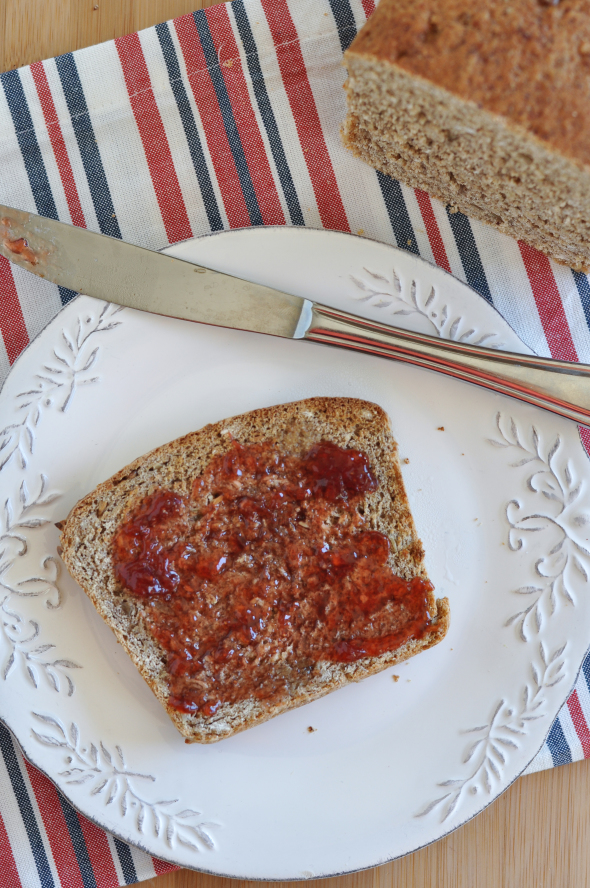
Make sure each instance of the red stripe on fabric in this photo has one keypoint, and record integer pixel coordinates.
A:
(432, 230)
(215, 135)
(56, 828)
(580, 724)
(549, 304)
(368, 6)
(9, 870)
(585, 436)
(58, 144)
(99, 852)
(305, 114)
(162, 867)
(153, 137)
(246, 123)
(12, 322)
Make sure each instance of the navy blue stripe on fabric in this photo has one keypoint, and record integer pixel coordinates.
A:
(26, 808)
(84, 132)
(398, 213)
(229, 122)
(586, 669)
(266, 112)
(28, 144)
(583, 286)
(190, 127)
(77, 837)
(344, 18)
(66, 295)
(126, 861)
(558, 745)
(470, 258)
(31, 154)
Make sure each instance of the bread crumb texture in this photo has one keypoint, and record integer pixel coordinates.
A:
(87, 537)
(484, 105)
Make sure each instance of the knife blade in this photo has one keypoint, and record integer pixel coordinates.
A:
(115, 271)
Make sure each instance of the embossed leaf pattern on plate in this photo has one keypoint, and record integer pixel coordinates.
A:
(553, 510)
(488, 750)
(53, 386)
(104, 773)
(70, 365)
(20, 637)
(404, 298)
(554, 489)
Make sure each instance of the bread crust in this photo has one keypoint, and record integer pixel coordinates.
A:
(485, 106)
(523, 60)
(89, 530)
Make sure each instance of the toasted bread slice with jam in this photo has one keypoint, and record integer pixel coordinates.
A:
(212, 492)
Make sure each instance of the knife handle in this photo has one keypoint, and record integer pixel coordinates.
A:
(558, 386)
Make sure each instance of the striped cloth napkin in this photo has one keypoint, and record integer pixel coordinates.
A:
(223, 119)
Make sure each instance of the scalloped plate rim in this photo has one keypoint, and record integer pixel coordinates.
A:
(133, 841)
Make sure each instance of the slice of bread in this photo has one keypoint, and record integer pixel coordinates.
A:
(90, 529)
(485, 105)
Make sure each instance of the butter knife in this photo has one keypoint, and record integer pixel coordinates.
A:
(111, 270)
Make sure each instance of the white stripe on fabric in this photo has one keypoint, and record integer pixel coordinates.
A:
(574, 312)
(583, 696)
(45, 146)
(281, 107)
(570, 734)
(509, 285)
(172, 122)
(322, 57)
(364, 204)
(17, 834)
(4, 362)
(7, 131)
(448, 239)
(39, 300)
(359, 13)
(357, 183)
(15, 190)
(71, 143)
(313, 21)
(144, 866)
(39, 819)
(256, 110)
(204, 228)
(418, 224)
(116, 861)
(121, 149)
(541, 762)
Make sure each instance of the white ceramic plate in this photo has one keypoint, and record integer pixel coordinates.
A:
(500, 494)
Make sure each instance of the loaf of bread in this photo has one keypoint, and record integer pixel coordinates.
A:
(224, 477)
(485, 105)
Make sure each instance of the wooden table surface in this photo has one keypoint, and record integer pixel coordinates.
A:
(538, 833)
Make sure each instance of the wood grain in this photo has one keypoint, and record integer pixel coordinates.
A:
(537, 835)
(31, 30)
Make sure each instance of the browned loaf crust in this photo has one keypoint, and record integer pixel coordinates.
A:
(486, 106)
(89, 530)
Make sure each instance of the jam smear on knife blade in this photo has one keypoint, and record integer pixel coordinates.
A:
(264, 570)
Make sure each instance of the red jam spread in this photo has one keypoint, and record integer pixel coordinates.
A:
(21, 246)
(265, 569)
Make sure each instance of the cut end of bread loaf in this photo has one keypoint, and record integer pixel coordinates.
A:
(457, 101)
(89, 531)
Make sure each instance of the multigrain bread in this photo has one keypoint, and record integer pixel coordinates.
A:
(485, 105)
(91, 527)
